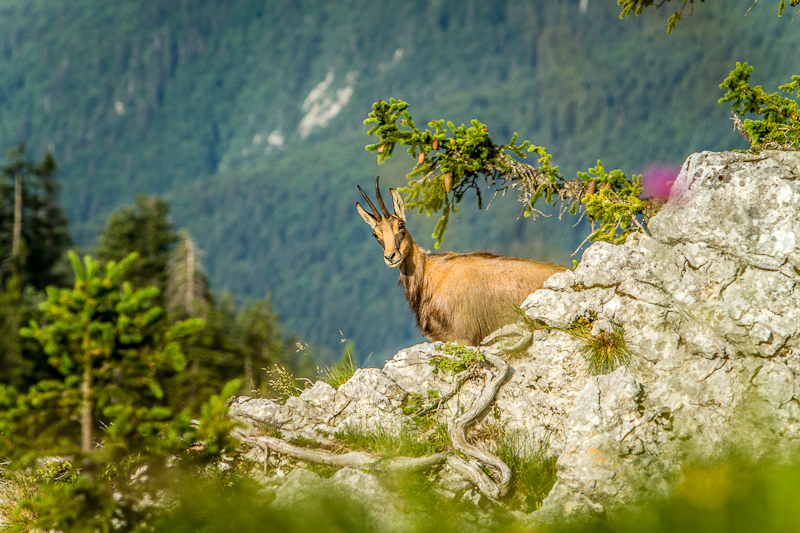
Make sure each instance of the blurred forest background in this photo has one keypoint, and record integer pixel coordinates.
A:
(241, 122)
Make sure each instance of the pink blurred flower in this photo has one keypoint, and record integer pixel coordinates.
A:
(657, 180)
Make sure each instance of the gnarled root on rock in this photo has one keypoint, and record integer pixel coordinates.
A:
(458, 433)
(351, 459)
(493, 487)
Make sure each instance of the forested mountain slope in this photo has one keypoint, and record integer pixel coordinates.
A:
(247, 116)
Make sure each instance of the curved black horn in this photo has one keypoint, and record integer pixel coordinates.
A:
(380, 200)
(371, 205)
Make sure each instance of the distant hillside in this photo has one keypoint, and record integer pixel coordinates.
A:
(246, 115)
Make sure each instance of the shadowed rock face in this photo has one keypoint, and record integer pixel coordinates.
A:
(710, 305)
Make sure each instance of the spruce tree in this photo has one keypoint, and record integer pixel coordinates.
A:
(108, 338)
(33, 239)
(143, 228)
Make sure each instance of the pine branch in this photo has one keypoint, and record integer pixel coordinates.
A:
(451, 160)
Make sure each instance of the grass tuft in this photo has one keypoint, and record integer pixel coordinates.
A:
(338, 374)
(404, 441)
(605, 351)
(271, 429)
(534, 473)
(305, 442)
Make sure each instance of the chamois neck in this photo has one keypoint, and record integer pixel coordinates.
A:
(414, 263)
(412, 276)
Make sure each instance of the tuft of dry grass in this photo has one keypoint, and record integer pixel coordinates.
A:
(605, 351)
(284, 385)
(16, 486)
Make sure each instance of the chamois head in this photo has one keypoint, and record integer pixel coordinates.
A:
(389, 230)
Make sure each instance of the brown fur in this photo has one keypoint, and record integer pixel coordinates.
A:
(458, 298)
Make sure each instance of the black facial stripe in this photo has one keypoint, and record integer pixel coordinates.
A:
(398, 238)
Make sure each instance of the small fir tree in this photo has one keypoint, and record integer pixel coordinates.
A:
(111, 343)
(143, 228)
(109, 339)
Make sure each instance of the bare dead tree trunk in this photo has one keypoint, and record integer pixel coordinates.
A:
(493, 486)
(190, 267)
(86, 409)
(248, 371)
(17, 233)
(584, 5)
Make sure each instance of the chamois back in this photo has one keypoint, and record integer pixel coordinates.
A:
(463, 298)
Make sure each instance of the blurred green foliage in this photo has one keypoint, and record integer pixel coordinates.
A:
(44, 231)
(734, 495)
(112, 345)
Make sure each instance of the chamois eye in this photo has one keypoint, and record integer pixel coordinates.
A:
(401, 225)
(375, 235)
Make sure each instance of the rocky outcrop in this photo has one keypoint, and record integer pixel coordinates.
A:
(710, 307)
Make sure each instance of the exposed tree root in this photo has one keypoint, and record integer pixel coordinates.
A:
(493, 487)
(458, 382)
(458, 427)
(351, 459)
(474, 474)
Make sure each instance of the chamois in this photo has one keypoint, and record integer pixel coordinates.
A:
(458, 298)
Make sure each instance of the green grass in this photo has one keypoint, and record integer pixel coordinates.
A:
(533, 471)
(271, 429)
(338, 374)
(405, 441)
(305, 442)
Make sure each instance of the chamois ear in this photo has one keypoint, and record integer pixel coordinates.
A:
(399, 204)
(369, 219)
